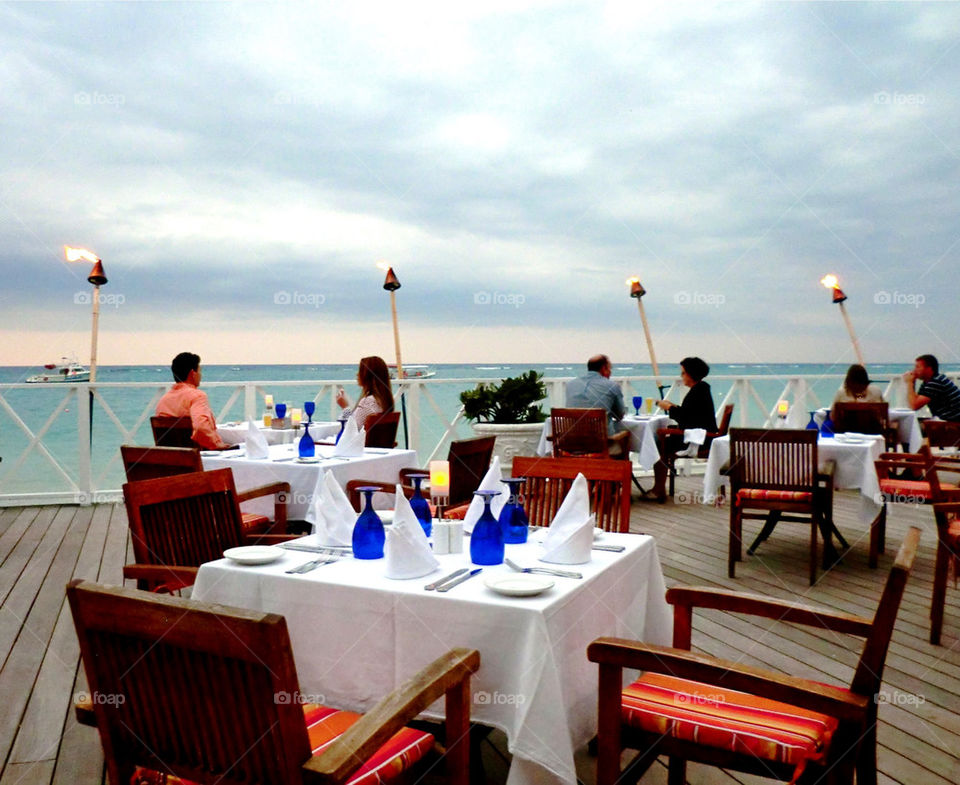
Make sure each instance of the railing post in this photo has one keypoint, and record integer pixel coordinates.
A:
(413, 415)
(84, 436)
(249, 401)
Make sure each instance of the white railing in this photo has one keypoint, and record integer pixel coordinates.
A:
(50, 462)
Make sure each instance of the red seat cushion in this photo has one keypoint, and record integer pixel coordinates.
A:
(402, 750)
(910, 491)
(768, 495)
(727, 720)
(254, 524)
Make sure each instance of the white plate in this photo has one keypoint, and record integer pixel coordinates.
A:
(254, 554)
(308, 460)
(518, 585)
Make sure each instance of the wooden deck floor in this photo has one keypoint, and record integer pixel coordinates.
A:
(42, 548)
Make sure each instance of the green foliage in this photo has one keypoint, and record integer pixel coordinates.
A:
(512, 401)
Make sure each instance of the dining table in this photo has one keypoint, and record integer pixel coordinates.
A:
(236, 432)
(905, 420)
(643, 437)
(357, 635)
(283, 464)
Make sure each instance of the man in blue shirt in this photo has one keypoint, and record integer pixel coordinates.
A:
(597, 391)
(936, 390)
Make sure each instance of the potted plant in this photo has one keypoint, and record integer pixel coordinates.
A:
(510, 411)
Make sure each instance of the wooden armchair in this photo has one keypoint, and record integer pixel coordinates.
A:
(382, 431)
(547, 481)
(701, 708)
(947, 516)
(582, 433)
(941, 435)
(669, 456)
(172, 432)
(148, 463)
(209, 694)
(871, 418)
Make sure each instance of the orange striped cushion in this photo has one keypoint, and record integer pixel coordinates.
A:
(762, 494)
(917, 489)
(727, 720)
(254, 524)
(404, 748)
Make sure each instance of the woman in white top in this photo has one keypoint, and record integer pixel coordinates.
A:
(857, 389)
(376, 396)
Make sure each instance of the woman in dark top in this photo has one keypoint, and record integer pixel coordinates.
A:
(696, 411)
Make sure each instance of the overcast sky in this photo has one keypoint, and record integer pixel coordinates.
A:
(241, 168)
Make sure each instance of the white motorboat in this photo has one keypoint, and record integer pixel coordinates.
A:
(67, 370)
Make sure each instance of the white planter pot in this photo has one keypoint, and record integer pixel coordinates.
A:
(512, 440)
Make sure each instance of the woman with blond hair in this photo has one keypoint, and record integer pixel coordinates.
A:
(376, 396)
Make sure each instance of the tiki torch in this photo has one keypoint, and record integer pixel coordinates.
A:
(391, 283)
(637, 291)
(98, 279)
(830, 282)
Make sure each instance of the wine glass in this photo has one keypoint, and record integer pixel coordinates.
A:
(486, 541)
(368, 534)
(637, 403)
(309, 407)
(281, 410)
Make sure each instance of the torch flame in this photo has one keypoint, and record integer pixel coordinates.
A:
(632, 281)
(80, 254)
(830, 281)
(383, 265)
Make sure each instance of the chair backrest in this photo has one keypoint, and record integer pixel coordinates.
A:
(549, 479)
(724, 428)
(148, 463)
(469, 460)
(942, 434)
(382, 432)
(579, 432)
(773, 459)
(190, 689)
(172, 432)
(861, 417)
(184, 520)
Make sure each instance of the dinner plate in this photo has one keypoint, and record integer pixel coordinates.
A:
(308, 459)
(253, 554)
(518, 585)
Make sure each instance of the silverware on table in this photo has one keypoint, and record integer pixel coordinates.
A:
(443, 580)
(457, 581)
(543, 570)
(312, 565)
(613, 548)
(292, 546)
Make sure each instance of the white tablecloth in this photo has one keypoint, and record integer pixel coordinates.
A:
(357, 635)
(908, 426)
(381, 465)
(236, 432)
(643, 437)
(855, 469)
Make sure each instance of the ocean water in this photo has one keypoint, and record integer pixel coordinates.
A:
(125, 405)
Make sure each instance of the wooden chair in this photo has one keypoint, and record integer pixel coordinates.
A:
(941, 435)
(178, 523)
(669, 456)
(148, 463)
(382, 432)
(871, 418)
(172, 432)
(549, 479)
(774, 471)
(776, 726)
(947, 516)
(582, 433)
(209, 694)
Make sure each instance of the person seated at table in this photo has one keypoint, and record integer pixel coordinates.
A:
(595, 390)
(936, 391)
(856, 389)
(376, 396)
(185, 400)
(696, 411)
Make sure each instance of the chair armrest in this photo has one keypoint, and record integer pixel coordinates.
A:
(457, 513)
(405, 474)
(170, 577)
(828, 471)
(269, 489)
(83, 708)
(383, 487)
(835, 701)
(669, 431)
(349, 751)
(620, 436)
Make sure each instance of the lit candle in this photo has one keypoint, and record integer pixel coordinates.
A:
(439, 479)
(783, 408)
(268, 400)
(295, 417)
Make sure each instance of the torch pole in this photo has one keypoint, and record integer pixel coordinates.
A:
(653, 356)
(93, 333)
(396, 346)
(853, 335)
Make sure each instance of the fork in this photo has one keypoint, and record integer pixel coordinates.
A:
(543, 570)
(312, 565)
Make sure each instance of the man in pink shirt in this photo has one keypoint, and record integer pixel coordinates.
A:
(185, 400)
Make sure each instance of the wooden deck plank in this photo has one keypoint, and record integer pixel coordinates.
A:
(7, 516)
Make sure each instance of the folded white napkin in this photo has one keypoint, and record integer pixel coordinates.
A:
(352, 441)
(491, 482)
(693, 438)
(407, 551)
(330, 512)
(255, 443)
(570, 536)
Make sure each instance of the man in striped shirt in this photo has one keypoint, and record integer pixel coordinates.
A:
(936, 390)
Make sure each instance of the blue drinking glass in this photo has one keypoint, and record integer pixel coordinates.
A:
(812, 425)
(826, 430)
(419, 505)
(343, 424)
(368, 534)
(513, 518)
(486, 540)
(637, 403)
(309, 407)
(306, 447)
(281, 410)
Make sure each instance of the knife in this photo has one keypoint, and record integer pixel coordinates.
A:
(450, 577)
(458, 581)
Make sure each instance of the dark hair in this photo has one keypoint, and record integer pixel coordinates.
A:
(931, 362)
(857, 380)
(182, 364)
(696, 368)
(374, 380)
(598, 363)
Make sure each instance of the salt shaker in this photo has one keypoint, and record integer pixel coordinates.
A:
(441, 538)
(455, 536)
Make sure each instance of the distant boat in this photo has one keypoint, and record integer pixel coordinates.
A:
(67, 370)
(412, 372)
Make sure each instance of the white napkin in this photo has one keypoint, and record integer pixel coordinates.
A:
(693, 438)
(407, 550)
(255, 443)
(330, 512)
(352, 441)
(491, 482)
(570, 536)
